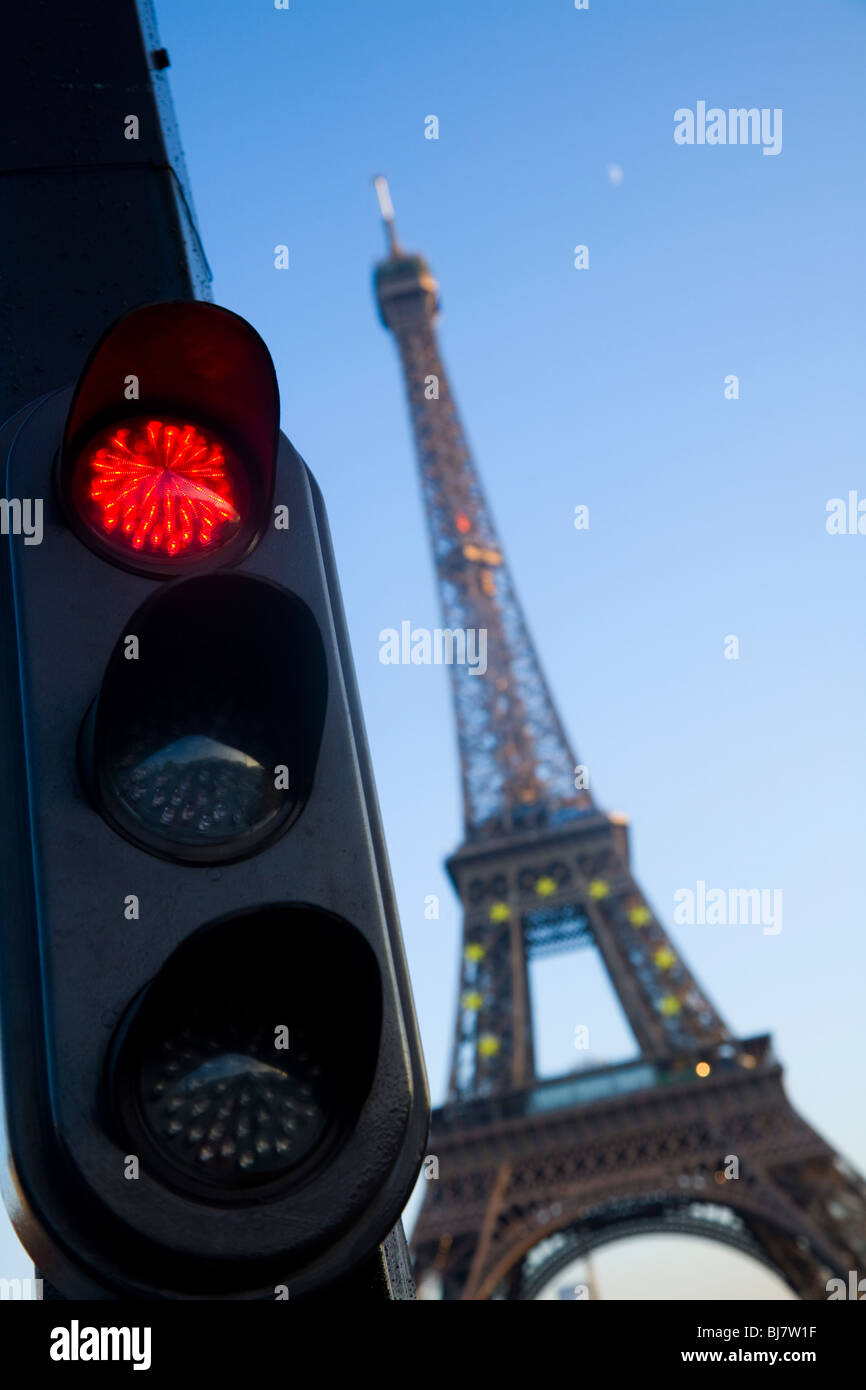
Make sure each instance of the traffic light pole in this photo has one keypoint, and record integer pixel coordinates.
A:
(99, 220)
(98, 216)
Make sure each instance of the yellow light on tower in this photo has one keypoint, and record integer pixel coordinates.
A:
(474, 951)
(488, 1045)
(639, 916)
(664, 957)
(703, 1068)
(545, 885)
(472, 1000)
(599, 889)
(670, 1006)
(499, 912)
(483, 554)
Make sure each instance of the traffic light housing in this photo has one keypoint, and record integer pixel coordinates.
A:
(213, 1083)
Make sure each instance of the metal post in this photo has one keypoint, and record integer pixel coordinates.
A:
(96, 211)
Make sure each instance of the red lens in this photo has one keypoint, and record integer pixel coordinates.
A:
(160, 490)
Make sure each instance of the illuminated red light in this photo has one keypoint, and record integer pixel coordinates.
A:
(463, 523)
(161, 488)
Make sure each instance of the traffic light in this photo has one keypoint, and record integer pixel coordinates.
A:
(212, 1074)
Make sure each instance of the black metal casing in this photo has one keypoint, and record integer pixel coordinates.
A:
(71, 964)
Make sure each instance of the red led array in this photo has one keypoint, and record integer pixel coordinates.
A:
(162, 488)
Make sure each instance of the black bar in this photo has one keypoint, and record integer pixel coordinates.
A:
(91, 223)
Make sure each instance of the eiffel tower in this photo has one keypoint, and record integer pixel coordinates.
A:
(695, 1137)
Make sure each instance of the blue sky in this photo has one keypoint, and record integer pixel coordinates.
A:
(603, 387)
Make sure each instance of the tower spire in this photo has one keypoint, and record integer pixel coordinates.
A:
(516, 761)
(552, 868)
(386, 207)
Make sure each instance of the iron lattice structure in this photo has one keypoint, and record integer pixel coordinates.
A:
(536, 1173)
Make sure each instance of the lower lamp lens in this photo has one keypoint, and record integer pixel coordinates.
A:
(228, 1108)
(229, 1073)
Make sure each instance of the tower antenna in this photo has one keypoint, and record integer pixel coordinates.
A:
(386, 207)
